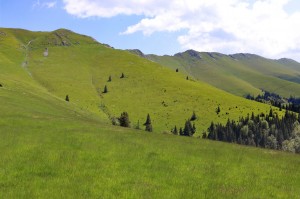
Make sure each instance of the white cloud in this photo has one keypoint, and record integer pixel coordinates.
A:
(39, 4)
(256, 26)
(50, 4)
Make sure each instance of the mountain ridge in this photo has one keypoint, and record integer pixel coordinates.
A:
(249, 73)
(193, 52)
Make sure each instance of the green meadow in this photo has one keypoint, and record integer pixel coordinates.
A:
(51, 148)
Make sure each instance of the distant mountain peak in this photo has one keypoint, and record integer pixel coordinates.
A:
(287, 60)
(191, 53)
(63, 31)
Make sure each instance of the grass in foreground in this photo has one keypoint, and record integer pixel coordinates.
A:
(82, 159)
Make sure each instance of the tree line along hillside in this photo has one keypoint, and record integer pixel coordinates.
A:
(264, 130)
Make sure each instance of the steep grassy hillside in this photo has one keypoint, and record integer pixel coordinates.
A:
(81, 70)
(51, 148)
(239, 74)
(79, 67)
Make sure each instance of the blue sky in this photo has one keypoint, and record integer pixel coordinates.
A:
(269, 28)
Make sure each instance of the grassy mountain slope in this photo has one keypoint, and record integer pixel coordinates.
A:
(78, 66)
(50, 149)
(82, 70)
(239, 74)
(289, 63)
(56, 149)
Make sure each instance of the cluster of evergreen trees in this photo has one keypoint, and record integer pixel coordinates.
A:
(291, 103)
(294, 104)
(266, 131)
(189, 128)
(124, 121)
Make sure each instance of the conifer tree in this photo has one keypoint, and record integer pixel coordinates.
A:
(148, 124)
(124, 120)
(187, 77)
(175, 131)
(188, 129)
(105, 89)
(181, 131)
(218, 110)
(109, 79)
(194, 117)
(211, 131)
(67, 98)
(252, 116)
(177, 70)
(271, 113)
(122, 75)
(280, 107)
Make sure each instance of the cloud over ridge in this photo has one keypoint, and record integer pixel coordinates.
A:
(257, 26)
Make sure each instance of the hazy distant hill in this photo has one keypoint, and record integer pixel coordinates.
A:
(239, 74)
